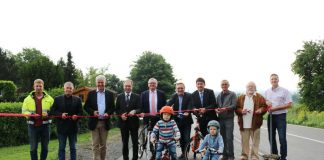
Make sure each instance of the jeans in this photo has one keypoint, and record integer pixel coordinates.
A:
(171, 148)
(226, 130)
(35, 133)
(278, 123)
(62, 143)
(212, 156)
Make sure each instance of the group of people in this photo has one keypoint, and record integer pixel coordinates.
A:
(170, 119)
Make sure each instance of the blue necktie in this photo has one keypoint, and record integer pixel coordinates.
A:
(201, 98)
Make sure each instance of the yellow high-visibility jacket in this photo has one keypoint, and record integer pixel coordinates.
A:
(29, 105)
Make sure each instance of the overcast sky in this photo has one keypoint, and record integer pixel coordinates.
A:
(238, 40)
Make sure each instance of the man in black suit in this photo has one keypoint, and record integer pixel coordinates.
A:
(127, 105)
(152, 101)
(182, 105)
(204, 98)
(100, 103)
(68, 107)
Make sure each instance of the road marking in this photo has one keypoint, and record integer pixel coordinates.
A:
(294, 135)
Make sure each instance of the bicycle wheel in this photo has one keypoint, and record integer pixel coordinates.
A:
(148, 151)
(192, 146)
(141, 142)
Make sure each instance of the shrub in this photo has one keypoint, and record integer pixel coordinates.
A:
(7, 91)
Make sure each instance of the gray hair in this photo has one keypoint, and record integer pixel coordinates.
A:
(128, 80)
(101, 78)
(68, 84)
(251, 83)
(153, 79)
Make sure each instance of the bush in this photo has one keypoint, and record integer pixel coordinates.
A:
(13, 130)
(7, 91)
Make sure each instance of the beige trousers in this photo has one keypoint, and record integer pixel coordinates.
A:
(99, 139)
(246, 134)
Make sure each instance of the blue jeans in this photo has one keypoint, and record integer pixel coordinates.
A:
(212, 156)
(171, 148)
(62, 143)
(35, 133)
(278, 123)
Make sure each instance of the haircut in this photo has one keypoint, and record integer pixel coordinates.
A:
(68, 84)
(199, 79)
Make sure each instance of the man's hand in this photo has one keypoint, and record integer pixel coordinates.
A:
(106, 115)
(259, 111)
(245, 111)
(64, 115)
(74, 117)
(202, 110)
(132, 112)
(123, 117)
(96, 113)
(186, 114)
(44, 115)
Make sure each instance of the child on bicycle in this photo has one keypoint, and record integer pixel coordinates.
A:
(168, 133)
(213, 144)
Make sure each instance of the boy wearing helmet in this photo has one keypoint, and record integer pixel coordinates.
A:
(213, 140)
(168, 132)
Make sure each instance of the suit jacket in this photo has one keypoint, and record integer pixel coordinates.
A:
(91, 105)
(209, 102)
(66, 126)
(121, 108)
(229, 101)
(186, 105)
(145, 100)
(257, 119)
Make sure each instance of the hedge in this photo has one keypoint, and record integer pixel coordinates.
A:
(7, 91)
(13, 130)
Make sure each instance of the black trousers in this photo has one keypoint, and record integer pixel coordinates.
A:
(133, 131)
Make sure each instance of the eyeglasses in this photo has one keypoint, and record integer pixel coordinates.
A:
(224, 84)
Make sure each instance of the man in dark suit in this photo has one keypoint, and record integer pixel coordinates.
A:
(204, 98)
(68, 107)
(152, 101)
(181, 102)
(100, 103)
(127, 105)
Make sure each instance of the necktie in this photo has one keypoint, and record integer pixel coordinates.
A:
(180, 103)
(201, 98)
(153, 110)
(127, 100)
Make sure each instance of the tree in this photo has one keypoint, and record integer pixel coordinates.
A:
(151, 65)
(8, 66)
(69, 70)
(32, 65)
(309, 65)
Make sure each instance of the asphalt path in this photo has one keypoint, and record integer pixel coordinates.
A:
(304, 143)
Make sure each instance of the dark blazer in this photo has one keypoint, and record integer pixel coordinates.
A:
(186, 105)
(121, 108)
(66, 126)
(91, 105)
(209, 102)
(145, 101)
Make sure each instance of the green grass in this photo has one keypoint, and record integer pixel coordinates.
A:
(22, 152)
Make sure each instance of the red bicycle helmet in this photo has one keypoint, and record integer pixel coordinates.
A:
(167, 109)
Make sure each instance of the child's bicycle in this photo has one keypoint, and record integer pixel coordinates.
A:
(165, 154)
(144, 142)
(193, 145)
(212, 151)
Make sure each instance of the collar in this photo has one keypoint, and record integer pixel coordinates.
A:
(102, 92)
(130, 93)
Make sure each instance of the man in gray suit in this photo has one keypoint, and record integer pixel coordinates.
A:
(226, 104)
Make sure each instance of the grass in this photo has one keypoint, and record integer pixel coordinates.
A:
(22, 152)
